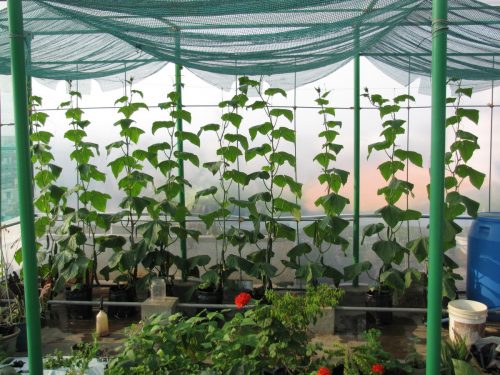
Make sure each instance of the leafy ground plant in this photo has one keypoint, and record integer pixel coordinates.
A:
(259, 340)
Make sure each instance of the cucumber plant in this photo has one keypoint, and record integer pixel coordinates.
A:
(127, 169)
(326, 232)
(267, 206)
(388, 246)
(80, 225)
(50, 198)
(167, 215)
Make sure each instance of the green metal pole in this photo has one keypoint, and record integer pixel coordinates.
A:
(180, 148)
(438, 138)
(355, 229)
(30, 272)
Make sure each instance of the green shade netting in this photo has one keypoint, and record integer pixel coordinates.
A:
(82, 39)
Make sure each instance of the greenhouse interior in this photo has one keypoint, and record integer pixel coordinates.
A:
(250, 187)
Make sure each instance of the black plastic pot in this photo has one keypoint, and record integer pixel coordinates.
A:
(22, 338)
(210, 296)
(122, 293)
(185, 290)
(378, 298)
(79, 311)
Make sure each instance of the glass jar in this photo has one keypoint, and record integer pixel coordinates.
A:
(158, 289)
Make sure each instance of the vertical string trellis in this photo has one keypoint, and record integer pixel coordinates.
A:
(297, 238)
(407, 149)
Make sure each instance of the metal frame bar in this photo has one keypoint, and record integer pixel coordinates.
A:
(356, 152)
(24, 170)
(438, 139)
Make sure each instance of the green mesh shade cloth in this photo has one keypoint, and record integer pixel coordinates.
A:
(82, 39)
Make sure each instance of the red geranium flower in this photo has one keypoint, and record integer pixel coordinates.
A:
(242, 299)
(378, 368)
(324, 371)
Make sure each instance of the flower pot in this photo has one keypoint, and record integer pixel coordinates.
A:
(79, 311)
(184, 290)
(122, 293)
(209, 296)
(22, 338)
(8, 339)
(378, 298)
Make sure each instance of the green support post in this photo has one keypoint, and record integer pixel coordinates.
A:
(180, 147)
(438, 138)
(355, 228)
(26, 210)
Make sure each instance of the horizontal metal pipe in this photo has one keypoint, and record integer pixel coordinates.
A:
(419, 310)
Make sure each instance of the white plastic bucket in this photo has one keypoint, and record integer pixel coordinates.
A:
(467, 320)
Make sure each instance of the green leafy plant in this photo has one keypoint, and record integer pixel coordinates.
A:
(325, 232)
(262, 338)
(165, 228)
(455, 356)
(230, 145)
(359, 359)
(50, 198)
(127, 168)
(458, 170)
(80, 225)
(77, 363)
(266, 207)
(387, 247)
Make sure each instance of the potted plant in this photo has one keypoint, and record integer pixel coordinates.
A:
(230, 145)
(326, 231)
(167, 215)
(78, 232)
(9, 314)
(387, 246)
(127, 169)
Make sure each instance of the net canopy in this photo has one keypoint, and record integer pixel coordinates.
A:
(83, 39)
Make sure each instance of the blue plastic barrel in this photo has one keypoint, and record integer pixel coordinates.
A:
(483, 260)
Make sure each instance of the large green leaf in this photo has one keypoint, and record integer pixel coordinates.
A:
(420, 248)
(390, 168)
(218, 214)
(388, 251)
(183, 155)
(262, 129)
(202, 193)
(277, 112)
(299, 250)
(162, 125)
(283, 180)
(282, 205)
(391, 214)
(332, 203)
(273, 91)
(393, 278)
(285, 133)
(233, 118)
(181, 114)
(261, 150)
(188, 136)
(414, 157)
(230, 153)
(470, 113)
(280, 157)
(475, 177)
(356, 269)
(237, 138)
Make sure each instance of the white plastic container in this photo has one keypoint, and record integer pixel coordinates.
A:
(467, 320)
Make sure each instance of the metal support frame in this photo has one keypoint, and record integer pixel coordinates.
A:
(357, 110)
(438, 138)
(24, 170)
(180, 147)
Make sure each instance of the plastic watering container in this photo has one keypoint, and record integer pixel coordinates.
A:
(467, 320)
(483, 260)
